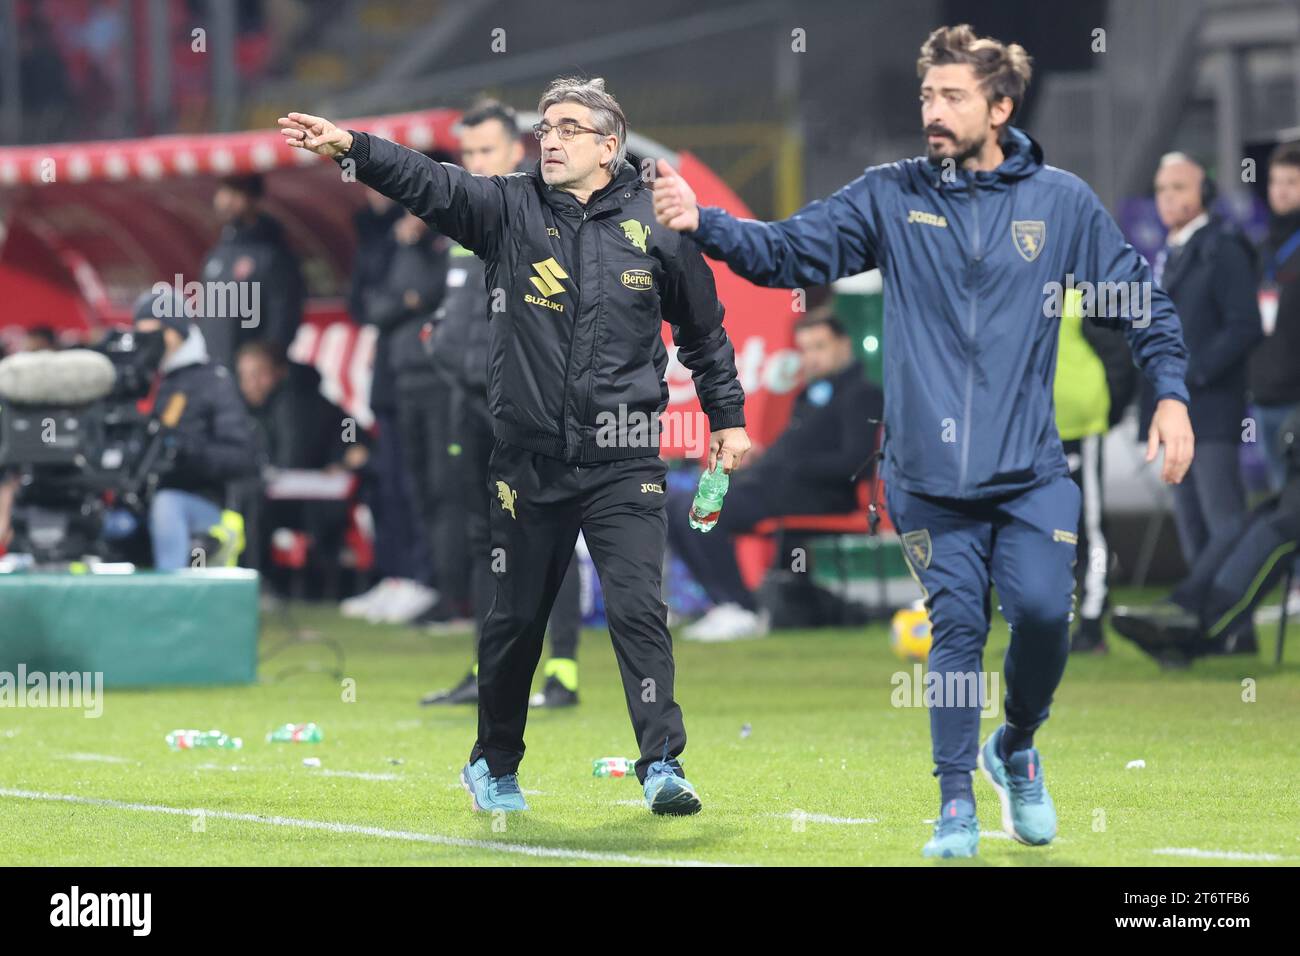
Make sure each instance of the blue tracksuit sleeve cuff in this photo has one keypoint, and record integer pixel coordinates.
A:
(1174, 389)
(710, 218)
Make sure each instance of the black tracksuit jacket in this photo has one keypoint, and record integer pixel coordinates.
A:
(582, 292)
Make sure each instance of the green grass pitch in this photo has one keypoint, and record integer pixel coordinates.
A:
(829, 773)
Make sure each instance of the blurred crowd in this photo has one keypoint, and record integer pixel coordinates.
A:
(270, 447)
(77, 74)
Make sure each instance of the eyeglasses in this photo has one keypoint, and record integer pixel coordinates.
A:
(566, 131)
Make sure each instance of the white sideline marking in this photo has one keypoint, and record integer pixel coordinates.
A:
(1217, 854)
(519, 849)
(94, 758)
(989, 834)
(358, 774)
(313, 771)
(823, 818)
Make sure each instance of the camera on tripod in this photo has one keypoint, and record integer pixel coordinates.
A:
(84, 456)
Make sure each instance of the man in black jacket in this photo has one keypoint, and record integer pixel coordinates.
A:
(400, 306)
(807, 470)
(252, 257)
(581, 284)
(401, 554)
(208, 436)
(490, 146)
(1208, 269)
(296, 428)
(1275, 365)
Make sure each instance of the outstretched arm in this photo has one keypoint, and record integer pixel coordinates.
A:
(822, 242)
(1153, 330)
(470, 209)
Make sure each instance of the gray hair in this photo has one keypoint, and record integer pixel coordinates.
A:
(606, 115)
(1169, 159)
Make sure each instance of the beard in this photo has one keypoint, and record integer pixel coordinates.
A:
(962, 150)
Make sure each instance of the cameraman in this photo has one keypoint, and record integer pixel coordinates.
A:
(208, 435)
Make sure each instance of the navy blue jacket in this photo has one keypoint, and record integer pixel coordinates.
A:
(968, 259)
(1212, 283)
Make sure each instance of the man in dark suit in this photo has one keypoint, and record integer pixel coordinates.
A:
(807, 470)
(1207, 267)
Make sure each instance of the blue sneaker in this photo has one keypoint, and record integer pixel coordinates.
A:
(667, 791)
(492, 793)
(1028, 814)
(956, 832)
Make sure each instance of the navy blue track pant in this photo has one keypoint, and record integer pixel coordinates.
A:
(1025, 545)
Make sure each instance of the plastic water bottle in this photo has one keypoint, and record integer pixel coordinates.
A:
(295, 734)
(613, 767)
(708, 499)
(194, 739)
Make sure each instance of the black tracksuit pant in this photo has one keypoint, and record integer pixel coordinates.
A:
(473, 433)
(1240, 566)
(538, 507)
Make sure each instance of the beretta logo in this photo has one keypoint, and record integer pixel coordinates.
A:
(638, 279)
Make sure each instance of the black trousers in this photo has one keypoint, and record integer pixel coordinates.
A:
(473, 435)
(401, 551)
(424, 418)
(1241, 565)
(539, 505)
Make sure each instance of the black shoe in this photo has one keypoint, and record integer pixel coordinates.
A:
(554, 694)
(466, 692)
(1241, 641)
(1165, 631)
(1088, 638)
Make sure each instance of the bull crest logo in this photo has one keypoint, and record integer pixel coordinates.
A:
(919, 548)
(507, 498)
(636, 233)
(1028, 235)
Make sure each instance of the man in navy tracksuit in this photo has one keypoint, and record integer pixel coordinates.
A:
(977, 244)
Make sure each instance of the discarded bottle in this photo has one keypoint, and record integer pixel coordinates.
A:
(295, 734)
(613, 767)
(708, 499)
(194, 739)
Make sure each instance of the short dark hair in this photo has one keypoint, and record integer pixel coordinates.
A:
(273, 352)
(43, 332)
(1002, 69)
(250, 184)
(1285, 154)
(823, 316)
(488, 109)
